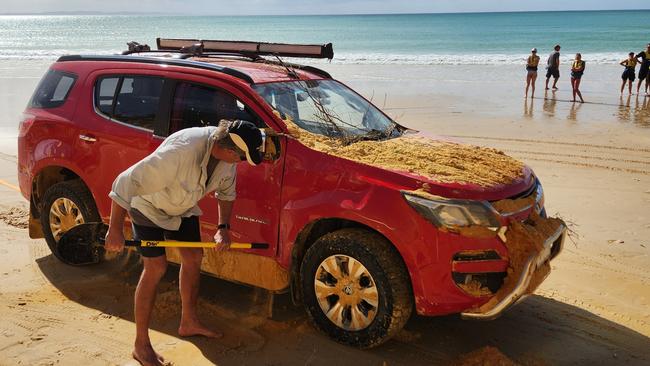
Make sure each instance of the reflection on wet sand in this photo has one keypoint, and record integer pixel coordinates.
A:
(528, 109)
(550, 104)
(637, 112)
(624, 109)
(573, 112)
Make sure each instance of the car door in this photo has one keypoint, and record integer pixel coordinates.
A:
(255, 216)
(117, 129)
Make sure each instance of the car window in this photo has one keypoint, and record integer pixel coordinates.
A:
(197, 105)
(105, 94)
(133, 100)
(53, 89)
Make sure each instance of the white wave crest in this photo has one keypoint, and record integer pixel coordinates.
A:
(352, 58)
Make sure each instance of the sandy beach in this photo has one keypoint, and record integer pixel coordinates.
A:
(593, 160)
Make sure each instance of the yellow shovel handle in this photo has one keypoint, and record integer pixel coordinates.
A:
(192, 244)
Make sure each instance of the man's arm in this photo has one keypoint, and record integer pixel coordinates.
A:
(115, 235)
(223, 235)
(638, 57)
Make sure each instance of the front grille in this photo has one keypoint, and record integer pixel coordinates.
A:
(493, 281)
(478, 255)
(525, 193)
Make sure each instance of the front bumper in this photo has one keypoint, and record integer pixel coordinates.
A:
(552, 247)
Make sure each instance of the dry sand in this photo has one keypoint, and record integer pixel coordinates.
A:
(594, 308)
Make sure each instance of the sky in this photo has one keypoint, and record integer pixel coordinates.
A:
(289, 7)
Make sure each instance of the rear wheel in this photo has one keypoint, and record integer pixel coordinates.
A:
(356, 288)
(65, 205)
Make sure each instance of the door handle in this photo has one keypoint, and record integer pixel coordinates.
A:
(87, 138)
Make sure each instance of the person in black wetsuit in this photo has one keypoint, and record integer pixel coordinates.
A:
(644, 58)
(629, 73)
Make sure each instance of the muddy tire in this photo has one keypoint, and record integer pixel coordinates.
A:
(356, 288)
(66, 205)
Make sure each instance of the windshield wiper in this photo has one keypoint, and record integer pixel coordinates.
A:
(393, 128)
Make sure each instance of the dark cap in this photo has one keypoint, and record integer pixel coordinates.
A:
(557, 46)
(249, 139)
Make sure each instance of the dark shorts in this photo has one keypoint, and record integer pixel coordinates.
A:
(643, 72)
(576, 75)
(554, 72)
(531, 68)
(190, 230)
(628, 74)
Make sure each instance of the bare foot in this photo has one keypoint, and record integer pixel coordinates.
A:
(147, 356)
(188, 330)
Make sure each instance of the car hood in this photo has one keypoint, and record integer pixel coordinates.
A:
(459, 170)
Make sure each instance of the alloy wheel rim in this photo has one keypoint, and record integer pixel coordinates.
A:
(346, 292)
(64, 215)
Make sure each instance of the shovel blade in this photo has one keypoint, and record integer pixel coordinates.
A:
(81, 244)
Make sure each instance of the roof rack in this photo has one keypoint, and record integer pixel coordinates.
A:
(198, 47)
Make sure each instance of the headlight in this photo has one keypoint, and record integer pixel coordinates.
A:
(451, 214)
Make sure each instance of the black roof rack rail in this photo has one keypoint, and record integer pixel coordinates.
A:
(198, 46)
(161, 61)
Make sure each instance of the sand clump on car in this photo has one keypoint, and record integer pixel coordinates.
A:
(440, 161)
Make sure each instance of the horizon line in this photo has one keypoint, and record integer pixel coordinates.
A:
(311, 14)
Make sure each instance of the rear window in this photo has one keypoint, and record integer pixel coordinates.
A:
(133, 100)
(53, 89)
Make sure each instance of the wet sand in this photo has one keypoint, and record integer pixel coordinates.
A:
(594, 308)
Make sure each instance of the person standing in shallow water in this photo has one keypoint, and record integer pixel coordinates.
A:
(577, 69)
(553, 67)
(531, 71)
(629, 72)
(644, 58)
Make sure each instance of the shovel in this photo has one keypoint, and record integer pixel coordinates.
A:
(84, 244)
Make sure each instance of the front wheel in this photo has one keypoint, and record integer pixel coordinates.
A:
(65, 205)
(356, 288)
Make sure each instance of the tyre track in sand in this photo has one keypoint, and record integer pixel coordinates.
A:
(628, 159)
(546, 142)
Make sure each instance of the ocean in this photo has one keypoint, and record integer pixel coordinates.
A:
(603, 37)
(446, 63)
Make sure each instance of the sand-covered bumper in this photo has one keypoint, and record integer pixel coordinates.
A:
(528, 268)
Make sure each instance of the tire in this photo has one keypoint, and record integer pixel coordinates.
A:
(65, 205)
(368, 301)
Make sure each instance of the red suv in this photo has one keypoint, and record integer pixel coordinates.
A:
(360, 244)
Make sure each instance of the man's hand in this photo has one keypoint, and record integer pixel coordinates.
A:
(222, 238)
(114, 239)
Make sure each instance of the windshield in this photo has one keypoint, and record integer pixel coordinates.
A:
(327, 107)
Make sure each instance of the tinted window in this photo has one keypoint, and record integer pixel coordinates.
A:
(136, 101)
(53, 89)
(197, 106)
(105, 94)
